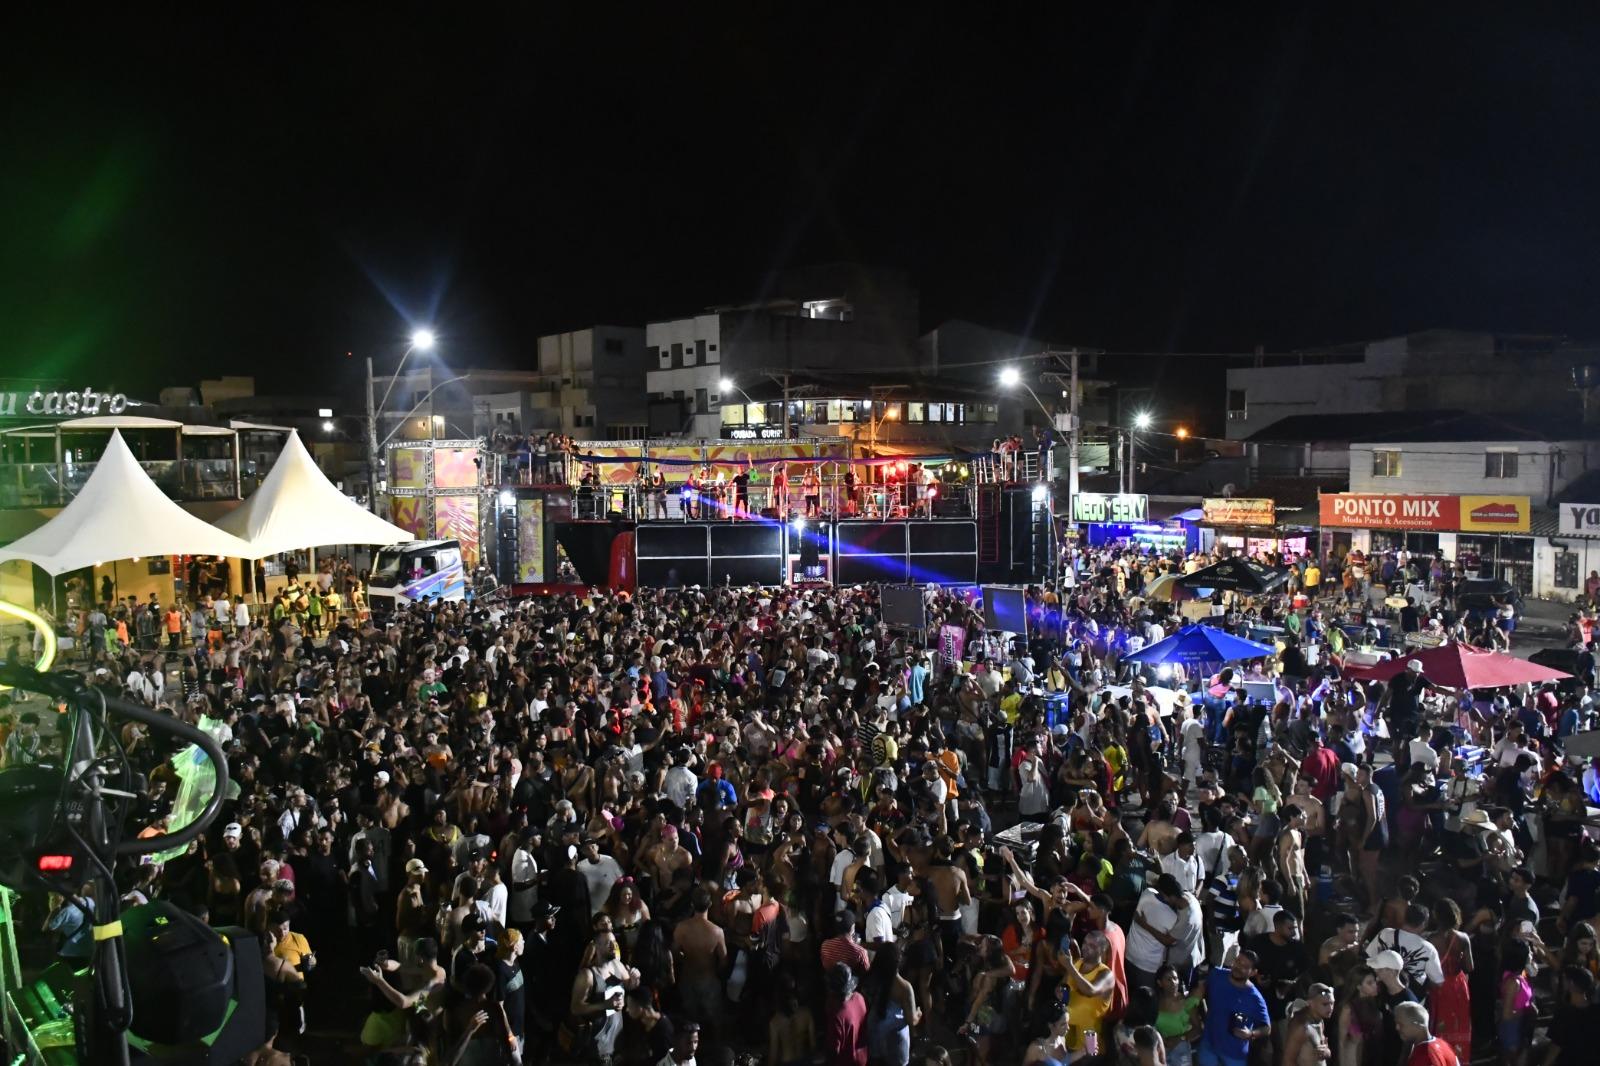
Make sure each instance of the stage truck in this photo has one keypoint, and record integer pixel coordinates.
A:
(416, 571)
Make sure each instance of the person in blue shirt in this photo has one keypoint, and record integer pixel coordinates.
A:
(716, 791)
(1236, 1014)
(73, 923)
(918, 679)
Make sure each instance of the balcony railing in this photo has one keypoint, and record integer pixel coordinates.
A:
(49, 485)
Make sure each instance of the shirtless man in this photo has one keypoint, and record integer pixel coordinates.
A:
(1316, 825)
(1304, 1041)
(1160, 834)
(951, 893)
(701, 950)
(1292, 859)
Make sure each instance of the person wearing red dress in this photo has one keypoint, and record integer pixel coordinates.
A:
(1451, 1001)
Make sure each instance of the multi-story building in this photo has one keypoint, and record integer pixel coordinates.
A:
(594, 379)
(821, 320)
(1438, 369)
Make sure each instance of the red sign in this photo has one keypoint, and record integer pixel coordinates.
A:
(1374, 510)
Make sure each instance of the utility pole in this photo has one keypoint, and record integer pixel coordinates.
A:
(372, 443)
(785, 406)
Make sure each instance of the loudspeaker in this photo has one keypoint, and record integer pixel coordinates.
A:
(199, 995)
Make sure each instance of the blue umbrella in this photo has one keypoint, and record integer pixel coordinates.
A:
(1196, 644)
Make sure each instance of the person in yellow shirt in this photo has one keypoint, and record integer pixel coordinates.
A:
(293, 948)
(1312, 578)
(1011, 702)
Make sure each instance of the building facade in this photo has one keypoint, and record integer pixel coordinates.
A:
(1431, 370)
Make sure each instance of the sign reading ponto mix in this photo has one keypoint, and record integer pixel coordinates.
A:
(1450, 514)
(84, 402)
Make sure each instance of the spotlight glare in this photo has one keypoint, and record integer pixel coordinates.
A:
(422, 340)
(1041, 493)
(1010, 376)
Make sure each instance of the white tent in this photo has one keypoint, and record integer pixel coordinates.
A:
(298, 507)
(119, 514)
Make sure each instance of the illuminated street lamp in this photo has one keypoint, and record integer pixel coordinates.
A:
(422, 340)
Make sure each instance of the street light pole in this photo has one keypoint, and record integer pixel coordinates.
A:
(421, 341)
(372, 444)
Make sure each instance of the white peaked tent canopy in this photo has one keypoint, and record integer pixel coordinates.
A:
(298, 507)
(119, 514)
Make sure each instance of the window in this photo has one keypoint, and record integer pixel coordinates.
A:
(834, 417)
(1566, 569)
(936, 412)
(1385, 462)
(700, 351)
(733, 414)
(613, 345)
(1500, 464)
(1238, 404)
(701, 402)
(916, 412)
(663, 358)
(755, 414)
(677, 355)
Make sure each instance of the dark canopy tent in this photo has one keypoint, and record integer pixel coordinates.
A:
(1235, 575)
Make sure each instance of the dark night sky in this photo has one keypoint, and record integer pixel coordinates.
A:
(182, 199)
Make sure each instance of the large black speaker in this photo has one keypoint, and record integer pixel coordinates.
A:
(199, 996)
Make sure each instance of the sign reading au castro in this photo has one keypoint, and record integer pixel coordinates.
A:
(82, 402)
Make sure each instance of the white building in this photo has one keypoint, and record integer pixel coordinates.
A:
(1495, 458)
(1432, 370)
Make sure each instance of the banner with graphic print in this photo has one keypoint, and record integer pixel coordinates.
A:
(952, 643)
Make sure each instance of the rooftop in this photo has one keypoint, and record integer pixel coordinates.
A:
(1398, 427)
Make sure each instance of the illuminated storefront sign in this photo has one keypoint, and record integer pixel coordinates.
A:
(1467, 514)
(1109, 507)
(86, 402)
(1239, 511)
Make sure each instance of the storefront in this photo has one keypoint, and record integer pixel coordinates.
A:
(1250, 526)
(1566, 550)
(1490, 536)
(1130, 517)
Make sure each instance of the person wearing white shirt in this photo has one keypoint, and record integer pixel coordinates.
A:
(241, 617)
(879, 924)
(1184, 865)
(601, 872)
(524, 882)
(898, 897)
(1191, 736)
(1421, 957)
(1151, 932)
(680, 783)
(1188, 933)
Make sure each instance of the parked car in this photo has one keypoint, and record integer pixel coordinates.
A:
(1486, 594)
(1565, 660)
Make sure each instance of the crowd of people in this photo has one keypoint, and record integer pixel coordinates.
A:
(724, 824)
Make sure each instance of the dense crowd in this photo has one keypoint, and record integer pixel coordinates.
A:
(704, 824)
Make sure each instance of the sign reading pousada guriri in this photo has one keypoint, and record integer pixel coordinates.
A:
(82, 402)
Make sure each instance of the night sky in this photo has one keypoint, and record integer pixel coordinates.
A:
(182, 199)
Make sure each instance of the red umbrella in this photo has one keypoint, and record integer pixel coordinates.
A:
(1455, 665)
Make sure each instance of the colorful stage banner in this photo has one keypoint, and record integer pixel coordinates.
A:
(456, 518)
(408, 468)
(410, 513)
(530, 541)
(454, 468)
